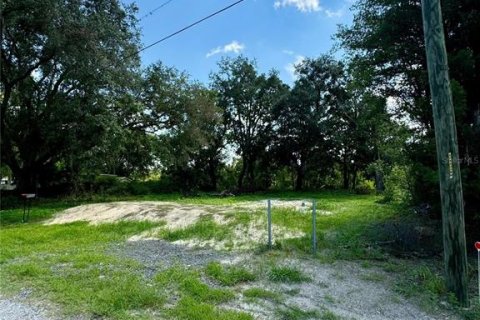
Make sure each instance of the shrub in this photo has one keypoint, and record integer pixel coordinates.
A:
(286, 274)
(397, 185)
(365, 187)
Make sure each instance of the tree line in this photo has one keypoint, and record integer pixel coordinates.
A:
(75, 103)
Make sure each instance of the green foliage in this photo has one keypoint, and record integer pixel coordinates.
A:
(50, 91)
(365, 187)
(73, 264)
(190, 309)
(386, 43)
(228, 275)
(259, 293)
(295, 313)
(247, 99)
(397, 185)
(68, 264)
(423, 283)
(302, 118)
(286, 274)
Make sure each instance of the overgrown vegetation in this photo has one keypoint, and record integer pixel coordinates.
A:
(76, 134)
(72, 264)
(229, 275)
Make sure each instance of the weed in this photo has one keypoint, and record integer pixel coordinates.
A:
(329, 315)
(373, 277)
(188, 283)
(329, 299)
(286, 274)
(190, 309)
(204, 229)
(295, 313)
(261, 294)
(230, 275)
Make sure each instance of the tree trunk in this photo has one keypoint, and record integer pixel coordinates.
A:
(251, 174)
(299, 181)
(346, 178)
(25, 179)
(212, 173)
(453, 219)
(379, 184)
(354, 178)
(241, 176)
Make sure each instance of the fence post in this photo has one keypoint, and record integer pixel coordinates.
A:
(314, 226)
(269, 222)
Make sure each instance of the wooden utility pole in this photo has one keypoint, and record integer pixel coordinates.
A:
(455, 254)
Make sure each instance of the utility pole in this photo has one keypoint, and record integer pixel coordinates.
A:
(454, 244)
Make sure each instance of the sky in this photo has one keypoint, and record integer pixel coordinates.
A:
(276, 33)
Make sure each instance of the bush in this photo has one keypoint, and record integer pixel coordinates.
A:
(365, 187)
(109, 184)
(397, 185)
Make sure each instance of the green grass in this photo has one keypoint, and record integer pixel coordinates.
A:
(329, 315)
(187, 283)
(190, 309)
(295, 313)
(197, 300)
(286, 274)
(229, 275)
(373, 277)
(423, 284)
(72, 265)
(204, 229)
(69, 264)
(259, 293)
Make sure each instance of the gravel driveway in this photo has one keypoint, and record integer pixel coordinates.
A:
(11, 309)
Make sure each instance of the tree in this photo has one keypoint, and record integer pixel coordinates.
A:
(247, 99)
(386, 41)
(303, 117)
(59, 63)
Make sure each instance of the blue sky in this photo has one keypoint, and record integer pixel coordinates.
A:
(277, 33)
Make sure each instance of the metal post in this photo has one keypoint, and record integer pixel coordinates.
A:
(269, 222)
(314, 226)
(29, 205)
(24, 209)
(454, 244)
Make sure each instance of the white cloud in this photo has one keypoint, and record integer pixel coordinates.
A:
(301, 5)
(289, 52)
(291, 66)
(334, 14)
(233, 46)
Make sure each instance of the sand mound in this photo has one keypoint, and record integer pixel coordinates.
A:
(175, 215)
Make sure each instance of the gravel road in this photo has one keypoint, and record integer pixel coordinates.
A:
(10, 309)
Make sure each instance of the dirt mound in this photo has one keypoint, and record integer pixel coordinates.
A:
(175, 215)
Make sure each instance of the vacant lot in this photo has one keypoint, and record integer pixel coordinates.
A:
(206, 258)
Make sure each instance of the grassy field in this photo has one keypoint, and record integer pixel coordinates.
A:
(72, 266)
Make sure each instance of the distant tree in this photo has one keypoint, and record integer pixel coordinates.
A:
(60, 62)
(303, 118)
(247, 99)
(386, 41)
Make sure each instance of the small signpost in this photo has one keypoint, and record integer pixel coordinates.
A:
(477, 246)
(27, 203)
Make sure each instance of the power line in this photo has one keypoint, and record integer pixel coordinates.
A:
(190, 26)
(153, 11)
